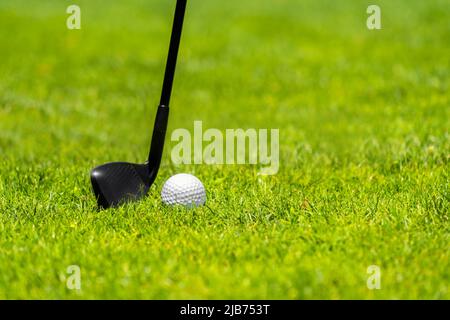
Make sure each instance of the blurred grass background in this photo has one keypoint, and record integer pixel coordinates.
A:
(363, 118)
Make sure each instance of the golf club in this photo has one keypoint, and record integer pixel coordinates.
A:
(119, 182)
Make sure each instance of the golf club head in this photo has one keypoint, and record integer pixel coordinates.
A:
(119, 182)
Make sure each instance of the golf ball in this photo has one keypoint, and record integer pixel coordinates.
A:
(184, 189)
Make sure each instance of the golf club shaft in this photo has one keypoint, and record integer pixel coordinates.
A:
(162, 115)
(173, 52)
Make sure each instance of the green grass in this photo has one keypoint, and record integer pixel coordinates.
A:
(364, 149)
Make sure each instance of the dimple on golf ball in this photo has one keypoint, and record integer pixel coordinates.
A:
(183, 189)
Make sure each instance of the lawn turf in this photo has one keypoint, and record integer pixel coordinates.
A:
(364, 149)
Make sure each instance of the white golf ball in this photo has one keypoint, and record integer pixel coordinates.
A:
(184, 189)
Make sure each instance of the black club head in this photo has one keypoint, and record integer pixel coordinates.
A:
(119, 182)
